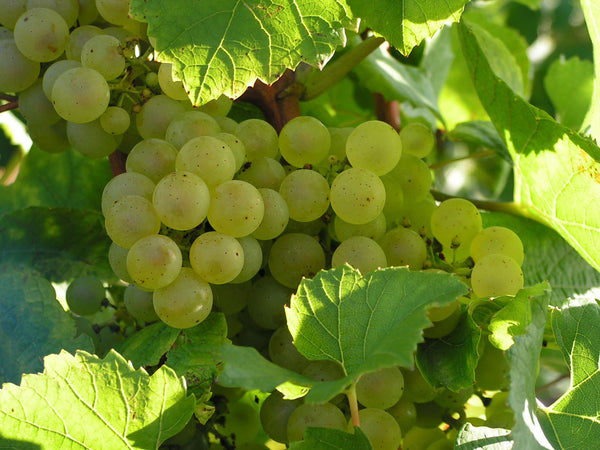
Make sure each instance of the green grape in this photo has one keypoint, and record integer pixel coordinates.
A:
(375, 146)
(259, 138)
(231, 298)
(117, 258)
(115, 120)
(275, 412)
(77, 39)
(251, 334)
(236, 208)
(294, 256)
(228, 125)
(306, 193)
(84, 295)
(454, 223)
(128, 183)
(91, 140)
(5, 33)
(184, 303)
(441, 444)
(283, 352)
(324, 415)
(114, 11)
(429, 414)
(411, 176)
(242, 422)
(41, 34)
(88, 13)
(276, 215)
(380, 427)
(416, 388)
(491, 372)
(339, 136)
(170, 87)
(154, 261)
(498, 413)
(266, 301)
(155, 116)
(381, 389)
(181, 200)
(418, 438)
(304, 140)
(495, 275)
(209, 158)
(17, 72)
(35, 107)
(11, 11)
(80, 95)
(497, 239)
(323, 370)
(189, 125)
(394, 195)
(108, 338)
(103, 53)
(417, 140)
(219, 106)
(54, 71)
(438, 313)
(236, 146)
(361, 253)
(253, 259)
(357, 196)
(416, 216)
(453, 401)
(404, 247)
(405, 414)
(50, 138)
(152, 157)
(263, 172)
(216, 257)
(443, 327)
(131, 218)
(139, 304)
(374, 229)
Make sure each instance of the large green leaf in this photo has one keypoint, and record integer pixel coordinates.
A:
(364, 323)
(32, 324)
(405, 23)
(591, 12)
(555, 168)
(223, 47)
(147, 346)
(573, 421)
(83, 402)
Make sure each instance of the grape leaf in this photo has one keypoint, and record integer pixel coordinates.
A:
(331, 439)
(364, 323)
(475, 438)
(480, 132)
(591, 12)
(32, 324)
(84, 402)
(60, 243)
(554, 167)
(573, 420)
(406, 23)
(147, 346)
(223, 47)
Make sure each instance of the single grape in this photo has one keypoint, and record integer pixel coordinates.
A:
(190, 124)
(380, 427)
(128, 183)
(131, 218)
(154, 261)
(375, 146)
(284, 353)
(325, 415)
(417, 140)
(498, 413)
(266, 301)
(412, 176)
(263, 172)
(416, 388)
(276, 215)
(235, 145)
(429, 414)
(418, 438)
(54, 71)
(496, 274)
(103, 53)
(236, 208)
(184, 303)
(11, 11)
(80, 95)
(153, 157)
(77, 39)
(416, 216)
(242, 422)
(275, 412)
(41, 34)
(88, 13)
(357, 196)
(405, 414)
(374, 229)
(443, 327)
(209, 158)
(114, 11)
(404, 247)
(50, 138)
(171, 87)
(17, 72)
(326, 370)
(84, 295)
(294, 256)
(304, 140)
(361, 253)
(453, 401)
(381, 389)
(115, 120)
(306, 193)
(339, 136)
(35, 107)
(219, 106)
(231, 298)
(497, 239)
(217, 257)
(253, 259)
(156, 115)
(491, 373)
(139, 304)
(259, 138)
(117, 258)
(438, 313)
(91, 140)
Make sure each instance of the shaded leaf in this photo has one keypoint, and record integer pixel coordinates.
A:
(475, 438)
(147, 346)
(82, 402)
(331, 439)
(480, 132)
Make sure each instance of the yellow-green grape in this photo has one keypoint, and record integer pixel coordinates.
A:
(496, 274)
(114, 11)
(217, 257)
(126, 184)
(375, 146)
(139, 304)
(404, 247)
(253, 259)
(417, 139)
(91, 140)
(266, 301)
(361, 253)
(236, 146)
(259, 138)
(11, 11)
(416, 388)
(189, 125)
(184, 303)
(405, 414)
(227, 124)
(170, 87)
(381, 389)
(242, 422)
(154, 261)
(416, 216)
(306, 193)
(454, 401)
(17, 72)
(497, 239)
(357, 196)
(115, 120)
(41, 34)
(491, 373)
(326, 370)
(275, 412)
(54, 71)
(263, 172)
(394, 196)
(454, 223)
(304, 140)
(117, 258)
(498, 413)
(418, 438)
(219, 106)
(80, 95)
(50, 138)
(276, 215)
(84, 295)
(412, 176)
(381, 428)
(236, 208)
(88, 13)
(131, 218)
(153, 157)
(438, 313)
(231, 298)
(374, 229)
(337, 149)
(283, 352)
(324, 415)
(103, 53)
(77, 39)
(35, 106)
(294, 256)
(181, 200)
(155, 116)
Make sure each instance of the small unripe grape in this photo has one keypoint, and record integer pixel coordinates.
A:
(84, 295)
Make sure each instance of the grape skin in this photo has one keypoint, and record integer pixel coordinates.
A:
(357, 196)
(154, 261)
(496, 274)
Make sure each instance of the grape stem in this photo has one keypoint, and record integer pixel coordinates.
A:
(117, 162)
(9, 106)
(8, 98)
(353, 402)
(388, 112)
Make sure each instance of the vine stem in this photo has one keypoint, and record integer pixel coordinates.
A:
(9, 106)
(8, 98)
(388, 112)
(353, 402)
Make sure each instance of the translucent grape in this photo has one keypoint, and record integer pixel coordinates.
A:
(217, 257)
(16, 72)
(444, 326)
(339, 136)
(131, 218)
(117, 258)
(266, 300)
(381, 389)
(127, 183)
(79, 36)
(275, 413)
(496, 274)
(91, 140)
(417, 140)
(181, 200)
(416, 216)
(380, 427)
(54, 71)
(276, 215)
(80, 95)
(306, 193)
(497, 239)
(293, 256)
(88, 13)
(115, 120)
(283, 352)
(412, 176)
(236, 208)
(361, 253)
(50, 138)
(114, 11)
(189, 125)
(139, 304)
(263, 172)
(35, 107)
(374, 229)
(41, 34)
(357, 196)
(323, 415)
(438, 313)
(404, 247)
(156, 115)
(242, 423)
(219, 106)
(259, 138)
(236, 146)
(304, 140)
(103, 53)
(84, 295)
(170, 87)
(11, 11)
(253, 259)
(184, 303)
(405, 414)
(209, 158)
(154, 261)
(375, 146)
(154, 158)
